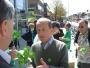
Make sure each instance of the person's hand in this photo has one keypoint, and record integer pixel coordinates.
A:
(13, 53)
(43, 64)
(77, 46)
(62, 39)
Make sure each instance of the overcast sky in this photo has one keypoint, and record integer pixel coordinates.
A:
(73, 6)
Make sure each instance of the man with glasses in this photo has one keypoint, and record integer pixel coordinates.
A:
(83, 40)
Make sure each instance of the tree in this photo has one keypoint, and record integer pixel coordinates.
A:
(58, 9)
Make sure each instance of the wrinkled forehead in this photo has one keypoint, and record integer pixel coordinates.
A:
(42, 20)
(42, 23)
(83, 22)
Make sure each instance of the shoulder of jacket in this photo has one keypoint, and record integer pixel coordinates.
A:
(59, 44)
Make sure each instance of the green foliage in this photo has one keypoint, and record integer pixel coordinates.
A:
(59, 9)
(83, 50)
(24, 56)
(31, 18)
(16, 35)
(49, 60)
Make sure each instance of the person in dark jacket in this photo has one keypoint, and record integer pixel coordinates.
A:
(34, 31)
(28, 37)
(57, 31)
(6, 31)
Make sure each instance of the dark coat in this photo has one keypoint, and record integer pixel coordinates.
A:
(59, 34)
(56, 54)
(4, 64)
(28, 37)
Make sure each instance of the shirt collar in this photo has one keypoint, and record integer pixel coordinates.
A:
(86, 33)
(5, 56)
(49, 42)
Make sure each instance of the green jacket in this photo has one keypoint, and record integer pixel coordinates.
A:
(67, 37)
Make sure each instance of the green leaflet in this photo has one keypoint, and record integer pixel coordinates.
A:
(24, 56)
(49, 60)
(83, 50)
(16, 35)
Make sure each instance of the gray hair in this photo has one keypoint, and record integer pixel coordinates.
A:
(6, 10)
(45, 20)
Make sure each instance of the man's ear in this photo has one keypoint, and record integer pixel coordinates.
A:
(3, 28)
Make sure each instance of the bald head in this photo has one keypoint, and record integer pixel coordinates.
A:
(44, 20)
(44, 29)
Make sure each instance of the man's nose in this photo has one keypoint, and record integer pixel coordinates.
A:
(41, 33)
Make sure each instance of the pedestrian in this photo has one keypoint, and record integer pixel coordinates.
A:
(50, 53)
(83, 44)
(67, 36)
(57, 31)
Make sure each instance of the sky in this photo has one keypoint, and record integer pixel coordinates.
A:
(19, 3)
(73, 6)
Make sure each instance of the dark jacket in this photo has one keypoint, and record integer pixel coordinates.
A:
(28, 37)
(4, 64)
(56, 55)
(59, 34)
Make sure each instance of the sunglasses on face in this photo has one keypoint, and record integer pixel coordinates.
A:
(81, 26)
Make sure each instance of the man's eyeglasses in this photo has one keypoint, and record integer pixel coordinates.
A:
(81, 26)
